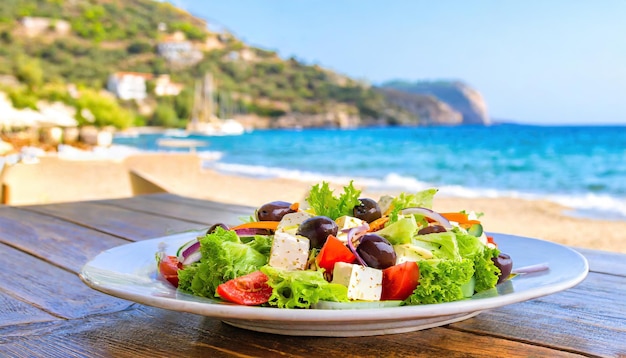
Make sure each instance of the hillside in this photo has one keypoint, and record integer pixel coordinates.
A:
(429, 109)
(457, 95)
(67, 50)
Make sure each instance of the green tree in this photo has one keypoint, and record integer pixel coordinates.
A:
(105, 110)
(29, 71)
(22, 99)
(165, 116)
(6, 37)
(190, 31)
(183, 103)
(89, 24)
(139, 47)
(26, 10)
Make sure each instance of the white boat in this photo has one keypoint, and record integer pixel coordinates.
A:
(223, 127)
(176, 133)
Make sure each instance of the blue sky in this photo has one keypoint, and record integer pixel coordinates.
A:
(539, 62)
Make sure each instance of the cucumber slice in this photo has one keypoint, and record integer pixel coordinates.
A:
(475, 230)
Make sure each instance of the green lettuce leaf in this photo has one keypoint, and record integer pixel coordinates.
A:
(486, 272)
(441, 281)
(422, 199)
(461, 265)
(443, 245)
(224, 257)
(401, 231)
(301, 289)
(469, 287)
(261, 243)
(323, 202)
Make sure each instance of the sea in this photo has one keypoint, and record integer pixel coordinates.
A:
(581, 167)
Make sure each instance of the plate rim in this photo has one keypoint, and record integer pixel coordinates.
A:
(232, 312)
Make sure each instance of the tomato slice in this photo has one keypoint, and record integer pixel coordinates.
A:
(168, 268)
(332, 252)
(250, 290)
(400, 280)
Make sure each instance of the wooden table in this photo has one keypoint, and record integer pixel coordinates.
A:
(47, 311)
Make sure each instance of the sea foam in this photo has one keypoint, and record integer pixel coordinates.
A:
(586, 205)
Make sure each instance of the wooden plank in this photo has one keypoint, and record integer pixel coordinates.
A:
(130, 224)
(54, 240)
(588, 318)
(14, 312)
(209, 204)
(200, 211)
(612, 263)
(149, 332)
(50, 288)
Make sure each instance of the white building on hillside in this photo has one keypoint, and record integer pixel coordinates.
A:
(164, 87)
(128, 85)
(35, 26)
(179, 52)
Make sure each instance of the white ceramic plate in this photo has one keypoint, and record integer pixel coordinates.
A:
(129, 272)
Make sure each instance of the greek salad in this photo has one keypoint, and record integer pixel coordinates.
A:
(333, 249)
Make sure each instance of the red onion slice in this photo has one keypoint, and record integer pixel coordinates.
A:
(193, 257)
(351, 233)
(252, 232)
(429, 214)
(190, 252)
(185, 246)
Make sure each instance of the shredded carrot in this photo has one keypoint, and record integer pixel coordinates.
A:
(460, 218)
(457, 217)
(270, 225)
(468, 224)
(378, 223)
(294, 206)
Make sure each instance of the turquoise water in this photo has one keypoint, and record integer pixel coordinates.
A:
(583, 167)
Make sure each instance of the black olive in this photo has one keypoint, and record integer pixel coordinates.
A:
(368, 210)
(505, 264)
(317, 229)
(274, 211)
(212, 228)
(431, 229)
(376, 251)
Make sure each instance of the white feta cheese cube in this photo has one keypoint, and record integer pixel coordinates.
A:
(347, 222)
(289, 252)
(290, 222)
(409, 252)
(363, 283)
